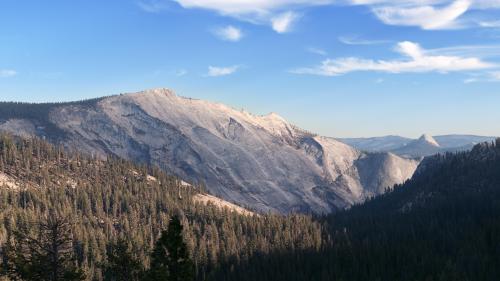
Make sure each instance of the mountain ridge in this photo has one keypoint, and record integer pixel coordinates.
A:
(403, 146)
(259, 161)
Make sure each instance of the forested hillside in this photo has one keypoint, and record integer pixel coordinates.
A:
(115, 199)
(444, 224)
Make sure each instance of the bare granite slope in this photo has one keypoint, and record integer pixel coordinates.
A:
(262, 162)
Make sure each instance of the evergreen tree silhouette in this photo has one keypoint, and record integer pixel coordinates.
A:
(121, 264)
(46, 255)
(170, 258)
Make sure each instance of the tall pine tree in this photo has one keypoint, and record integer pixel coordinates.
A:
(46, 255)
(170, 258)
(121, 264)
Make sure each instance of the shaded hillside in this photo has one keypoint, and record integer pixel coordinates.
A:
(34, 118)
(444, 224)
(107, 200)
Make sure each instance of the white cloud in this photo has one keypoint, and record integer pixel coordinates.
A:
(4, 73)
(229, 33)
(431, 14)
(426, 16)
(279, 14)
(249, 7)
(355, 40)
(215, 71)
(283, 23)
(415, 60)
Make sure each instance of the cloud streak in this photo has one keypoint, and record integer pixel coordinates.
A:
(493, 76)
(481, 51)
(355, 40)
(317, 51)
(216, 71)
(180, 72)
(153, 6)
(415, 60)
(5, 73)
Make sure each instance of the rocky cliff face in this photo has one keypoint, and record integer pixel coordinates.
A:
(258, 161)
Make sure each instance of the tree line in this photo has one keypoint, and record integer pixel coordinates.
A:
(115, 200)
(443, 224)
(45, 253)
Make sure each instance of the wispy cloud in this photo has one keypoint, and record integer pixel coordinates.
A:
(424, 16)
(283, 23)
(356, 40)
(280, 14)
(153, 6)
(490, 24)
(180, 72)
(415, 59)
(481, 51)
(471, 80)
(249, 8)
(317, 51)
(216, 71)
(4, 73)
(493, 76)
(229, 33)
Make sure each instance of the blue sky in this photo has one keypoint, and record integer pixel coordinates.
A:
(341, 68)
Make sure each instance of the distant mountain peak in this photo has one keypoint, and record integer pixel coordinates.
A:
(428, 139)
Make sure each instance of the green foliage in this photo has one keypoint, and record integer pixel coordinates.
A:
(170, 258)
(45, 255)
(121, 264)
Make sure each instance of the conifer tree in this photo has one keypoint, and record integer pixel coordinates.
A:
(170, 259)
(45, 255)
(121, 264)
